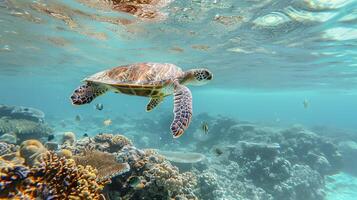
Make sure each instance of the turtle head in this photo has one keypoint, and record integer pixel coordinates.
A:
(199, 76)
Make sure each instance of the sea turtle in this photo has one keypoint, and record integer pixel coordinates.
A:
(153, 80)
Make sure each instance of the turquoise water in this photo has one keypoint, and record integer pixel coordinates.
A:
(267, 57)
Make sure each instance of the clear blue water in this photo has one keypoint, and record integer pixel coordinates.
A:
(267, 57)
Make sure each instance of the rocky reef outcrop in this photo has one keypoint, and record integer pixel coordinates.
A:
(252, 161)
(18, 123)
(21, 112)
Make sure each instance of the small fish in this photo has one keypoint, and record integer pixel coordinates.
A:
(107, 122)
(136, 183)
(85, 135)
(78, 118)
(306, 103)
(218, 151)
(204, 127)
(50, 137)
(99, 106)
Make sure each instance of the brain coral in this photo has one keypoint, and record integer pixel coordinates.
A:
(32, 151)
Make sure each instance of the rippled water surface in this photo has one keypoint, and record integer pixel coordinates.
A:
(248, 44)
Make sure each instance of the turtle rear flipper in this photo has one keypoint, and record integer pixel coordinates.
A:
(86, 93)
(182, 110)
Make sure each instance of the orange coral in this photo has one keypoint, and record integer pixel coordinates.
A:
(55, 178)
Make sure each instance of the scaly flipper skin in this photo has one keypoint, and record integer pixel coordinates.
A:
(86, 93)
(182, 110)
(153, 103)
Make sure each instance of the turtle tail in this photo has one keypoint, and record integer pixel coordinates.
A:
(86, 93)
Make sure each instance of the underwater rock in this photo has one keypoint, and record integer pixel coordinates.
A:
(24, 129)
(267, 162)
(303, 183)
(301, 146)
(349, 153)
(21, 112)
(208, 186)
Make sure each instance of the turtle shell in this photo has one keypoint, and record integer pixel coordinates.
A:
(142, 79)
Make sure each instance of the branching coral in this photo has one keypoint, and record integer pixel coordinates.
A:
(55, 178)
(66, 180)
(14, 181)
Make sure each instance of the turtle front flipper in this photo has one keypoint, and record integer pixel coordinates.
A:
(86, 93)
(182, 110)
(153, 103)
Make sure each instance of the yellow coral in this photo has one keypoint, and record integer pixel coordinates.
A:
(65, 153)
(32, 151)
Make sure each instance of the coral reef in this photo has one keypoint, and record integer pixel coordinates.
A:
(54, 178)
(301, 146)
(24, 129)
(157, 177)
(134, 173)
(263, 162)
(111, 143)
